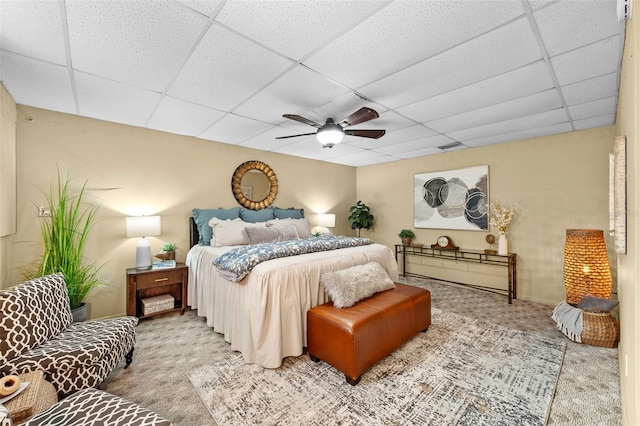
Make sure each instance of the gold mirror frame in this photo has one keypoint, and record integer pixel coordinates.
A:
(236, 186)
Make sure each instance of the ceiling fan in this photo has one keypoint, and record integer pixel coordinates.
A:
(331, 134)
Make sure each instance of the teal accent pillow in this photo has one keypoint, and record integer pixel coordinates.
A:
(255, 216)
(290, 213)
(202, 217)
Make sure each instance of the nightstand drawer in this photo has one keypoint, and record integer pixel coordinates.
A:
(159, 278)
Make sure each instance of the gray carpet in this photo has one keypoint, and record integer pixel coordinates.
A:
(587, 392)
(461, 371)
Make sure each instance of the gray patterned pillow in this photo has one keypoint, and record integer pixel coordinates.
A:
(263, 234)
(347, 286)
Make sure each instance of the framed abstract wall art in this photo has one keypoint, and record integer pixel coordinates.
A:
(453, 199)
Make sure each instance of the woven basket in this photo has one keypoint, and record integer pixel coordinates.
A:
(600, 329)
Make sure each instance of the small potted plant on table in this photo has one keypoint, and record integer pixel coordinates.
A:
(168, 252)
(406, 235)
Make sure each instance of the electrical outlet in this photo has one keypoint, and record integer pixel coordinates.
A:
(44, 212)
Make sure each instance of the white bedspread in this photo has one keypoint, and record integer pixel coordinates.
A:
(265, 315)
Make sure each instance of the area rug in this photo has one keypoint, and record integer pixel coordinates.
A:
(460, 372)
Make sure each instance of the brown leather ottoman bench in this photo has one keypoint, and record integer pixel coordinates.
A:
(354, 339)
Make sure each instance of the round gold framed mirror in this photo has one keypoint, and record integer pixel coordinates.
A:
(254, 184)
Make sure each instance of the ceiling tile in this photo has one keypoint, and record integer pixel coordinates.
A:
(295, 92)
(341, 150)
(419, 153)
(592, 89)
(424, 143)
(523, 81)
(405, 33)
(272, 23)
(36, 83)
(532, 104)
(217, 76)
(183, 118)
(527, 133)
(33, 29)
(299, 146)
(510, 126)
(594, 108)
(235, 129)
(267, 141)
(394, 137)
(359, 162)
(494, 53)
(359, 158)
(587, 21)
(587, 62)
(206, 7)
(110, 101)
(589, 123)
(142, 42)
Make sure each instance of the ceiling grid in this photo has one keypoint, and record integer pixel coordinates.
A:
(439, 73)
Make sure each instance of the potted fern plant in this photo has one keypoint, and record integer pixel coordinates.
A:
(360, 217)
(64, 235)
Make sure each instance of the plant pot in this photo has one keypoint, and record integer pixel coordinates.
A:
(166, 255)
(406, 241)
(81, 313)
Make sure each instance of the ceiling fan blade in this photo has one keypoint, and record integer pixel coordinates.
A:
(360, 116)
(295, 136)
(373, 134)
(302, 120)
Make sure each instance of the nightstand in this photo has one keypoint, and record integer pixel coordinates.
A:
(147, 283)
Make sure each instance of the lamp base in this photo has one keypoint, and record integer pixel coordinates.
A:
(143, 254)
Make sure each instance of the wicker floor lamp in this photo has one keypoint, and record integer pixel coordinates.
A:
(586, 265)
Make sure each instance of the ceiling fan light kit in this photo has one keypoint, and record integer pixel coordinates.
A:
(331, 134)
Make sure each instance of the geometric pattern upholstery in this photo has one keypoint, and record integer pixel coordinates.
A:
(32, 313)
(80, 355)
(95, 407)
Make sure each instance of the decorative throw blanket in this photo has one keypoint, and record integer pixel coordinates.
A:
(568, 320)
(236, 264)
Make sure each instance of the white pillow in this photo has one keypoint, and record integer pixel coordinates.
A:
(302, 225)
(347, 286)
(228, 232)
(263, 234)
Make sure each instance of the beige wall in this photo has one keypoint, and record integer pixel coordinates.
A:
(628, 123)
(559, 181)
(129, 169)
(7, 178)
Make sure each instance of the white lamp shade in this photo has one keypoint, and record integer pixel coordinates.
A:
(327, 220)
(143, 226)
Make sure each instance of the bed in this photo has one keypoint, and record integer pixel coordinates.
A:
(263, 315)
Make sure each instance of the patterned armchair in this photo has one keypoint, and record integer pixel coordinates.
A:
(37, 332)
(91, 406)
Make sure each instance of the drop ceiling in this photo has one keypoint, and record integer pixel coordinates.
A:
(443, 75)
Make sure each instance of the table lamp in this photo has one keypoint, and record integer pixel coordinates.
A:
(143, 226)
(325, 221)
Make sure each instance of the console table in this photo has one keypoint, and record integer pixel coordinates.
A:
(468, 256)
